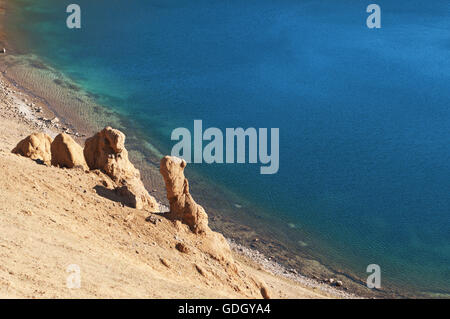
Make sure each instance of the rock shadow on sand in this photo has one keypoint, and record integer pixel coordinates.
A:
(110, 194)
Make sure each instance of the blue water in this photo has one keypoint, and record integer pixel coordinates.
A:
(364, 115)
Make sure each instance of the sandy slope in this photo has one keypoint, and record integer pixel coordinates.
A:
(51, 218)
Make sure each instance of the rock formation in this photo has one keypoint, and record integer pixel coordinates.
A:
(182, 205)
(184, 210)
(106, 151)
(135, 195)
(67, 153)
(36, 146)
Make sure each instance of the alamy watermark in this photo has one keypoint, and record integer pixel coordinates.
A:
(230, 147)
(73, 281)
(374, 279)
(374, 19)
(73, 21)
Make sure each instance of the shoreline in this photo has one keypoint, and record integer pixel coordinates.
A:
(25, 106)
(52, 217)
(42, 111)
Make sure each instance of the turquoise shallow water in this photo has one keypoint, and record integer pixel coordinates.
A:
(363, 114)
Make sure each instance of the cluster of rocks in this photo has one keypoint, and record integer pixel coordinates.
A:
(104, 151)
(334, 282)
(25, 109)
(44, 122)
(55, 122)
(8, 91)
(270, 265)
(33, 113)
